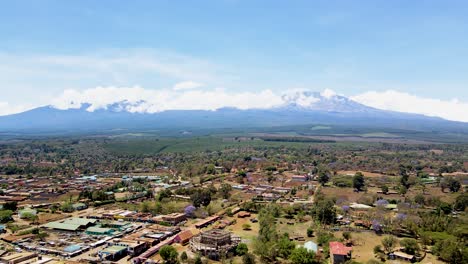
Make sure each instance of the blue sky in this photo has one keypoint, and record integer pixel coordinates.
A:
(352, 47)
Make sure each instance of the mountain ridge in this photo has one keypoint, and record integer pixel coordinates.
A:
(298, 108)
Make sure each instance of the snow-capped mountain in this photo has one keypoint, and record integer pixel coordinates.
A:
(327, 101)
(294, 108)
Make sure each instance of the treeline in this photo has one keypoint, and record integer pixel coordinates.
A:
(296, 139)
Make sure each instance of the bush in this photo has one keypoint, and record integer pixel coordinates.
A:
(310, 232)
(242, 249)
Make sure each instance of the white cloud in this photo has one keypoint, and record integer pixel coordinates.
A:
(8, 109)
(404, 102)
(187, 85)
(151, 101)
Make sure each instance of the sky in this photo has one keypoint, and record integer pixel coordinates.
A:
(404, 55)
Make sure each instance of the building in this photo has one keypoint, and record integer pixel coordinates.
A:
(71, 224)
(113, 252)
(299, 178)
(213, 242)
(402, 256)
(183, 237)
(339, 253)
(79, 206)
(174, 218)
(99, 231)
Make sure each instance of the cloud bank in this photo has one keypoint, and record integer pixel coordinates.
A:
(454, 109)
(189, 95)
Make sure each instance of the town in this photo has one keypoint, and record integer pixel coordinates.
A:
(254, 211)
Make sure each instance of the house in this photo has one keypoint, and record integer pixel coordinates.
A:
(299, 178)
(339, 253)
(174, 218)
(79, 206)
(402, 256)
(184, 237)
(243, 214)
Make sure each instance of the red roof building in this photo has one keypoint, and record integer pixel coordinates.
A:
(339, 253)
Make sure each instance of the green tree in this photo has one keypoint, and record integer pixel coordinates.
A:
(6, 216)
(301, 255)
(285, 246)
(409, 245)
(389, 243)
(168, 254)
(248, 259)
(183, 256)
(310, 232)
(12, 206)
(242, 249)
(461, 202)
(198, 260)
(453, 184)
(225, 190)
(324, 211)
(201, 197)
(419, 199)
(358, 181)
(384, 189)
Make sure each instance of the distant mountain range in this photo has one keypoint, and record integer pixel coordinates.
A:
(299, 108)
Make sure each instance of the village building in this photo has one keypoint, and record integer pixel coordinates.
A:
(339, 253)
(213, 242)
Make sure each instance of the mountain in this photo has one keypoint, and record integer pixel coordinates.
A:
(298, 108)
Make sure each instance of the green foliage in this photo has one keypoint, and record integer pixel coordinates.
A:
(183, 256)
(301, 255)
(6, 216)
(201, 197)
(12, 206)
(198, 260)
(384, 189)
(310, 232)
(324, 211)
(389, 243)
(451, 251)
(324, 237)
(358, 181)
(248, 259)
(461, 203)
(242, 249)
(169, 254)
(410, 245)
(225, 190)
(285, 246)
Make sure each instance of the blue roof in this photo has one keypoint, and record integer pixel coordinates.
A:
(311, 246)
(72, 248)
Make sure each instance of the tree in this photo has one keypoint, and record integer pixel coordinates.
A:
(453, 184)
(323, 177)
(201, 197)
(246, 226)
(225, 190)
(5, 216)
(324, 211)
(242, 249)
(310, 232)
(451, 251)
(301, 255)
(419, 199)
(358, 181)
(384, 189)
(248, 259)
(347, 235)
(198, 260)
(461, 202)
(183, 256)
(12, 206)
(285, 246)
(378, 249)
(168, 254)
(389, 243)
(410, 245)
